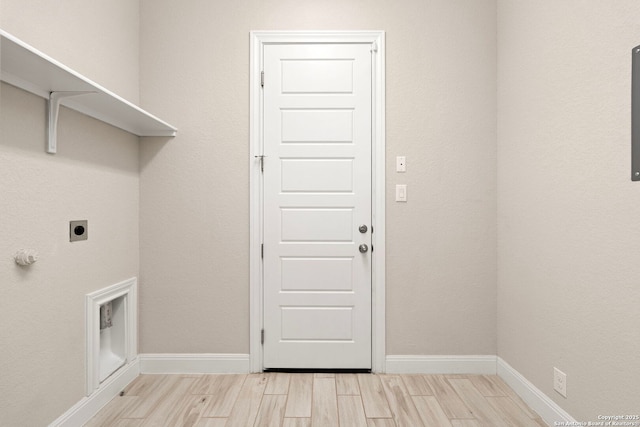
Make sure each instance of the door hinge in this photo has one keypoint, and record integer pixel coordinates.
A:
(262, 251)
(262, 336)
(261, 78)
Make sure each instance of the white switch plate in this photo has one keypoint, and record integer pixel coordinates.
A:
(401, 192)
(401, 164)
(560, 382)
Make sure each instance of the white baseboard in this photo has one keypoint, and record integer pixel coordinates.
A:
(536, 399)
(88, 406)
(200, 363)
(483, 364)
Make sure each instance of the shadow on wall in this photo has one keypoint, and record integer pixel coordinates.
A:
(150, 146)
(81, 139)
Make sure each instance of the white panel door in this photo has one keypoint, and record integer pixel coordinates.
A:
(317, 193)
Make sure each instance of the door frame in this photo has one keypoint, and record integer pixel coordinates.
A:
(258, 40)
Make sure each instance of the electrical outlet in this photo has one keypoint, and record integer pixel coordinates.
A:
(560, 382)
(78, 230)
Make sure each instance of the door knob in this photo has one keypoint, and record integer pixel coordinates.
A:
(363, 228)
(363, 248)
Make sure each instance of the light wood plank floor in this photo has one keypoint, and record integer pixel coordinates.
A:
(318, 400)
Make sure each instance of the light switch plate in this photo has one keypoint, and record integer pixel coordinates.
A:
(401, 164)
(401, 192)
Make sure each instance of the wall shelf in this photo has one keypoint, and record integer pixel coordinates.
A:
(29, 69)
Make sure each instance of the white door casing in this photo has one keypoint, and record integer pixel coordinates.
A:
(319, 123)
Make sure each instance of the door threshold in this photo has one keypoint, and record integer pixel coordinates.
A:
(318, 371)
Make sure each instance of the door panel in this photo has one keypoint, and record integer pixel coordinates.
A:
(317, 75)
(317, 175)
(314, 225)
(317, 126)
(331, 323)
(317, 192)
(317, 274)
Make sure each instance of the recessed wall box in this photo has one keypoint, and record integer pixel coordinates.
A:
(78, 230)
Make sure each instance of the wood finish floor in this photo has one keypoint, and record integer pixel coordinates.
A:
(322, 400)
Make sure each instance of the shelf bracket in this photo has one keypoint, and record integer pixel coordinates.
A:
(54, 108)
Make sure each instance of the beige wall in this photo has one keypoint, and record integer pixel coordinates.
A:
(569, 230)
(441, 97)
(568, 235)
(94, 176)
(97, 38)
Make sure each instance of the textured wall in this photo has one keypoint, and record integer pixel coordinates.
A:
(441, 95)
(94, 176)
(97, 38)
(569, 234)
(568, 239)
